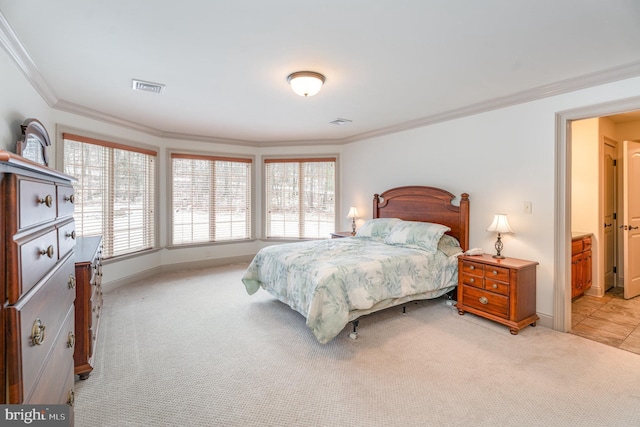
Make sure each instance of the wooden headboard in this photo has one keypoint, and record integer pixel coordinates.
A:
(426, 204)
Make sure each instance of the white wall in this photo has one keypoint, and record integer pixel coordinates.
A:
(18, 101)
(501, 158)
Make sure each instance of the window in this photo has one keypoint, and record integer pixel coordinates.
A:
(300, 197)
(114, 194)
(211, 199)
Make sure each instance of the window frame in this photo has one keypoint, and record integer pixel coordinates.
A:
(300, 159)
(127, 145)
(171, 153)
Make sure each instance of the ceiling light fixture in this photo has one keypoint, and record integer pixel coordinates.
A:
(306, 83)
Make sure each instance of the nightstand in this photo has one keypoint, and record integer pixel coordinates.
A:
(502, 290)
(340, 234)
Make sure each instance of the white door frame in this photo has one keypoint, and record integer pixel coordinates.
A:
(562, 200)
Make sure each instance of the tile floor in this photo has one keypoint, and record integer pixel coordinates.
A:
(611, 320)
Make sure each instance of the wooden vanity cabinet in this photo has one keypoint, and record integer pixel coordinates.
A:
(581, 265)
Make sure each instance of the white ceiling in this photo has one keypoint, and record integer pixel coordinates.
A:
(389, 64)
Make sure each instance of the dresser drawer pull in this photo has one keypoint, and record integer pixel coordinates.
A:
(70, 198)
(48, 201)
(483, 300)
(471, 267)
(72, 398)
(494, 272)
(72, 281)
(72, 235)
(472, 280)
(72, 340)
(37, 332)
(50, 252)
(494, 286)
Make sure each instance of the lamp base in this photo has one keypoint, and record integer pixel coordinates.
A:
(498, 248)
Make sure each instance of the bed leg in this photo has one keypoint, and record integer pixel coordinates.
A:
(354, 335)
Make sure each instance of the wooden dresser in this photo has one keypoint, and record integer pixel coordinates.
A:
(88, 302)
(503, 290)
(581, 264)
(38, 289)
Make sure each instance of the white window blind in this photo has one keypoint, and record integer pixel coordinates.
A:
(211, 198)
(300, 197)
(114, 194)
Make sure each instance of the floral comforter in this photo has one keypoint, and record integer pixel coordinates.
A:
(331, 281)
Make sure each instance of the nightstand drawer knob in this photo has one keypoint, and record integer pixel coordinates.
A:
(494, 272)
(495, 286)
(484, 300)
(472, 267)
(472, 280)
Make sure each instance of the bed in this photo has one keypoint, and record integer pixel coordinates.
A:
(407, 251)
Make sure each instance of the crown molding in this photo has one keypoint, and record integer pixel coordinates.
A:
(564, 86)
(70, 107)
(21, 57)
(16, 50)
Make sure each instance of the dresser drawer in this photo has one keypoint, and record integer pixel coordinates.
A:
(37, 257)
(65, 201)
(47, 307)
(66, 238)
(488, 302)
(58, 369)
(96, 307)
(37, 202)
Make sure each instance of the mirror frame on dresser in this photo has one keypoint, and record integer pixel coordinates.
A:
(34, 143)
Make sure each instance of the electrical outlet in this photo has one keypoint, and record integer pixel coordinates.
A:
(527, 207)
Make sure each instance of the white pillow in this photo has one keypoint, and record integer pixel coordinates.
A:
(449, 245)
(417, 235)
(377, 228)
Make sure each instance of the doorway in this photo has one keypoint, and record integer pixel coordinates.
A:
(602, 313)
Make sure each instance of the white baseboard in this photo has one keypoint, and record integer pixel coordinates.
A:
(218, 262)
(545, 320)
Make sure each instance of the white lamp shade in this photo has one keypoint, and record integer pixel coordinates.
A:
(353, 212)
(306, 83)
(500, 224)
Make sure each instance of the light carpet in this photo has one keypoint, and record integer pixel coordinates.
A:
(194, 349)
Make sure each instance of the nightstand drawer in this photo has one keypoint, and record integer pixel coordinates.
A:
(496, 273)
(475, 281)
(472, 268)
(488, 302)
(497, 287)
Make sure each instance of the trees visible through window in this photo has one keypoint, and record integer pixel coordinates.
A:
(300, 197)
(211, 199)
(114, 193)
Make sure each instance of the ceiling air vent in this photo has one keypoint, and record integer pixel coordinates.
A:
(340, 122)
(147, 86)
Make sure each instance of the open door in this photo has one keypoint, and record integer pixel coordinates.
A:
(631, 218)
(609, 212)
